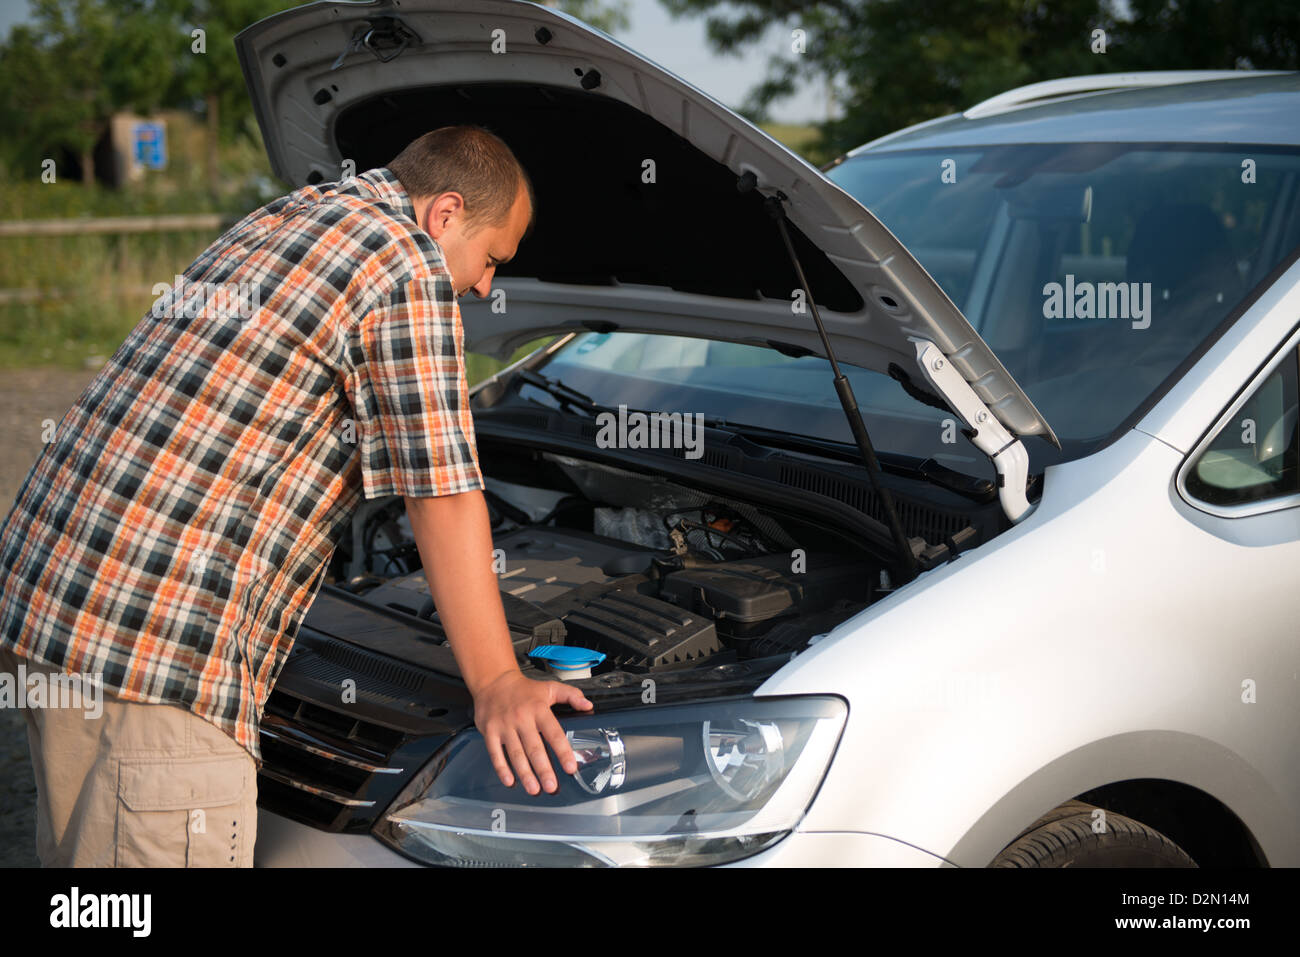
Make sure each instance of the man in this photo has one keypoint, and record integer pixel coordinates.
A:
(169, 540)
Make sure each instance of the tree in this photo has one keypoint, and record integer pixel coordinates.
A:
(898, 62)
(208, 70)
(65, 73)
(77, 63)
(1257, 34)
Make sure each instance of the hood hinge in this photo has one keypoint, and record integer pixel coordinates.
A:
(990, 436)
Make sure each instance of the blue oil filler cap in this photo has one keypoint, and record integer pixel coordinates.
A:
(566, 661)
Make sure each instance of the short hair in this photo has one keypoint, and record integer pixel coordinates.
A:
(469, 160)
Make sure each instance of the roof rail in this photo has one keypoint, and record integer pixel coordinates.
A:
(1100, 82)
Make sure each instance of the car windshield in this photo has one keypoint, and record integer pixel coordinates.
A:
(1092, 270)
(753, 386)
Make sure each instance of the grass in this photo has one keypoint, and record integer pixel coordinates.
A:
(96, 289)
(102, 306)
(105, 281)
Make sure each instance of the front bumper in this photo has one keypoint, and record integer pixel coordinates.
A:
(285, 843)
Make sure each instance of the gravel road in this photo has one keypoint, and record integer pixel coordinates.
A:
(27, 397)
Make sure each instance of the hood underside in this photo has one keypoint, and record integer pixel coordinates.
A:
(639, 222)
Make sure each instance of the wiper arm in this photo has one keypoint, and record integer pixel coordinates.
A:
(566, 394)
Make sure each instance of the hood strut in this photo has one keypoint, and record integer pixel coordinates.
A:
(843, 388)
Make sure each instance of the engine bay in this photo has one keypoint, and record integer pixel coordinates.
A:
(653, 575)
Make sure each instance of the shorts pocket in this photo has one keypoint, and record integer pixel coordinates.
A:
(183, 812)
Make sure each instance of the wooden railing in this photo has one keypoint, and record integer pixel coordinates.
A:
(103, 225)
(77, 226)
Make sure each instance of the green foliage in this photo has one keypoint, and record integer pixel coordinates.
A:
(898, 62)
(77, 62)
(65, 73)
(213, 78)
(69, 300)
(64, 299)
(90, 290)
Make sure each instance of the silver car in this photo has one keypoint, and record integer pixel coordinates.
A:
(934, 510)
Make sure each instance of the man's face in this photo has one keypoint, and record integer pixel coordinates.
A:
(472, 257)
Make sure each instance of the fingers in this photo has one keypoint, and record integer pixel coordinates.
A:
(516, 737)
(495, 753)
(532, 742)
(558, 741)
(567, 694)
(518, 758)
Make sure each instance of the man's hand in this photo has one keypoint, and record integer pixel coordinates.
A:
(513, 713)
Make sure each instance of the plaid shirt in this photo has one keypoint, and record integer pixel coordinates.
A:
(173, 534)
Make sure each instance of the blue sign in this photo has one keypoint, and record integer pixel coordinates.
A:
(151, 145)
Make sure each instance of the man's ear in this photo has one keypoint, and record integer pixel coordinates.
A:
(442, 212)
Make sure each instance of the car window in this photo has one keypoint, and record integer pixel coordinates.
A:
(1092, 269)
(1255, 454)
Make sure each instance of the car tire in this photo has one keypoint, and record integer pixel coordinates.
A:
(1064, 837)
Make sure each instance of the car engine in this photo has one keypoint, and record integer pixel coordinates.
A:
(653, 575)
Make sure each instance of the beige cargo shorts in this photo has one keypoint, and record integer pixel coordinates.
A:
(136, 785)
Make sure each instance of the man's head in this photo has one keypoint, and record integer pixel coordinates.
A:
(472, 196)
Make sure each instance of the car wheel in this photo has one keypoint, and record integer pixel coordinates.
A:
(1064, 837)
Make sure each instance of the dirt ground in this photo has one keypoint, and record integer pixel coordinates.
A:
(27, 397)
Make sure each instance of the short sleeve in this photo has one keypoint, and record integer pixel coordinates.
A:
(406, 382)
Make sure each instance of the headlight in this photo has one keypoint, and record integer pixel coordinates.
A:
(601, 757)
(664, 785)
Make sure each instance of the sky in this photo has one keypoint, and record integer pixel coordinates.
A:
(677, 45)
(11, 12)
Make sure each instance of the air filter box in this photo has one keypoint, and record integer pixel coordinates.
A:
(744, 596)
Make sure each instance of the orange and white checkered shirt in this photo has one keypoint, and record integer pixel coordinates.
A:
(173, 534)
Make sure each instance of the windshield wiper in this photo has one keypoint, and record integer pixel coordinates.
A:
(567, 395)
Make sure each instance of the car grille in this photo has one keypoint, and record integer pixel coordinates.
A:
(317, 763)
(337, 766)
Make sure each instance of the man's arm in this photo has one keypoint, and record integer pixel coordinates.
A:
(512, 711)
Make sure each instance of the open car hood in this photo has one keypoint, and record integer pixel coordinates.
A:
(639, 222)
